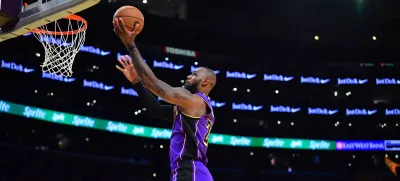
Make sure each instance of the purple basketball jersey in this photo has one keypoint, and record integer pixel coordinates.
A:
(189, 139)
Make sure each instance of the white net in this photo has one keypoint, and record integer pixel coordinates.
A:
(61, 47)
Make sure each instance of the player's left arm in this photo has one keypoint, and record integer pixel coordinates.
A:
(166, 112)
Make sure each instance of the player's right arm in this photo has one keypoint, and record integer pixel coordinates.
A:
(173, 95)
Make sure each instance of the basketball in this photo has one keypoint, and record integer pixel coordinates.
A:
(130, 15)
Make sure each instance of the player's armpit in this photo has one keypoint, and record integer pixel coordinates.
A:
(167, 113)
(174, 95)
(175, 111)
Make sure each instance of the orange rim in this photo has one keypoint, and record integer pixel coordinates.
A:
(70, 17)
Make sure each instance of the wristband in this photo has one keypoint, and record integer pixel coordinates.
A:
(130, 49)
(136, 81)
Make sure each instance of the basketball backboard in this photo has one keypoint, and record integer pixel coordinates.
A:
(43, 12)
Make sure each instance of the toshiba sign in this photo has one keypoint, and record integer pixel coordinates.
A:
(182, 52)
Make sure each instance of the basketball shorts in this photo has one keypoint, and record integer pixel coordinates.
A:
(190, 170)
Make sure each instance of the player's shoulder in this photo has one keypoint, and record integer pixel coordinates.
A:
(202, 99)
(198, 98)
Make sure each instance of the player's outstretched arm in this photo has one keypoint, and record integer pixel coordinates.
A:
(174, 95)
(165, 112)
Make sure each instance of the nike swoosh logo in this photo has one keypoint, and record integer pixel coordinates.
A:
(330, 112)
(250, 76)
(26, 70)
(108, 87)
(372, 112)
(104, 53)
(293, 110)
(324, 81)
(69, 79)
(288, 79)
(177, 67)
(256, 108)
(362, 81)
(220, 104)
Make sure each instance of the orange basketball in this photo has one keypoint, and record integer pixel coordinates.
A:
(130, 15)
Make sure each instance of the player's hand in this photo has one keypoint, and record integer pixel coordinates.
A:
(128, 69)
(127, 37)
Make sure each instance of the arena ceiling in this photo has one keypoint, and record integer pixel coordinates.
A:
(254, 28)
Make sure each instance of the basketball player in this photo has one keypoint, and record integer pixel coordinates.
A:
(192, 112)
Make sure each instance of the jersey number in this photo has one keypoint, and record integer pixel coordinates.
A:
(209, 126)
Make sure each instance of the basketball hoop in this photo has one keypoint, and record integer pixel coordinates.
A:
(61, 46)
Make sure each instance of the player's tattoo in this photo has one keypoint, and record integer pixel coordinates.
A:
(160, 90)
(164, 90)
(180, 95)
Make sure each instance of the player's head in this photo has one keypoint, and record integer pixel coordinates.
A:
(201, 80)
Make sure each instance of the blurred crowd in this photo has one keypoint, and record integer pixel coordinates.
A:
(17, 163)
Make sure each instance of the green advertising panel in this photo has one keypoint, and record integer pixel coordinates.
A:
(157, 133)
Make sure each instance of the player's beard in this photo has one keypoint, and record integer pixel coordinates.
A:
(192, 87)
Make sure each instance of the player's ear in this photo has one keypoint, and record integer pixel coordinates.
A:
(205, 81)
